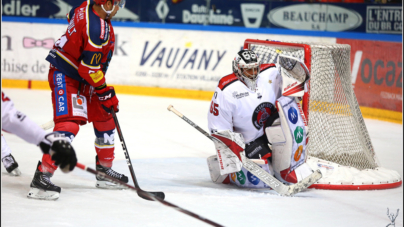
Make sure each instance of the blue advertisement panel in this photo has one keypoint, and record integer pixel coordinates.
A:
(357, 17)
(230, 13)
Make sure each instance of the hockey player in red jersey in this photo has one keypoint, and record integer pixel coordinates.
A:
(55, 145)
(256, 108)
(78, 63)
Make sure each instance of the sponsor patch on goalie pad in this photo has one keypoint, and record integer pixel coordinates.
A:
(245, 179)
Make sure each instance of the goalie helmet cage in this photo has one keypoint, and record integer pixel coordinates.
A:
(338, 139)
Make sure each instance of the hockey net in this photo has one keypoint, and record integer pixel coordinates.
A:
(339, 143)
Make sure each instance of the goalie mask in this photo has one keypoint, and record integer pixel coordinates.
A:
(246, 67)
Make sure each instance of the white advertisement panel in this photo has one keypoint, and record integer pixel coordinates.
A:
(185, 59)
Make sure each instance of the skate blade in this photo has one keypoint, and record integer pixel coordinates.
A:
(36, 193)
(15, 173)
(108, 185)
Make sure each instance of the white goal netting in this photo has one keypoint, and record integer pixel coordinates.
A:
(337, 131)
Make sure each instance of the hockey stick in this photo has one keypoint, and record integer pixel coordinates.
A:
(141, 193)
(148, 195)
(257, 171)
(48, 125)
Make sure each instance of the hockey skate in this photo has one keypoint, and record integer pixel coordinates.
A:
(11, 165)
(42, 187)
(103, 183)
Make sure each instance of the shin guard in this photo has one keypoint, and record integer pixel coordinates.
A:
(104, 142)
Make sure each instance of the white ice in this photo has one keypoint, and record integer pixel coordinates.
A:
(170, 156)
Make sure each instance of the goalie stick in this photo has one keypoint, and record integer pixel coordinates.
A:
(257, 171)
(140, 192)
(147, 195)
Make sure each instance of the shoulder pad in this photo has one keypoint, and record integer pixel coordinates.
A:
(227, 80)
(97, 29)
(266, 66)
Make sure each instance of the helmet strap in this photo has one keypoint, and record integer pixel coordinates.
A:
(108, 12)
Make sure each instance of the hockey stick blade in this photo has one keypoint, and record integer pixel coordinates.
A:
(141, 192)
(148, 195)
(257, 171)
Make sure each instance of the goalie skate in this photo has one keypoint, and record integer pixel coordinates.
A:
(42, 187)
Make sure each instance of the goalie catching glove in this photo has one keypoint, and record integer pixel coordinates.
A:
(229, 145)
(59, 148)
(106, 94)
(294, 75)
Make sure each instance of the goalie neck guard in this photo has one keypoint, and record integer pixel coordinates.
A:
(246, 67)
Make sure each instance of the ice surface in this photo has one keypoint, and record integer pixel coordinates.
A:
(170, 156)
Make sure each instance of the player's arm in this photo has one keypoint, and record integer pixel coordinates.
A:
(90, 70)
(220, 114)
(55, 144)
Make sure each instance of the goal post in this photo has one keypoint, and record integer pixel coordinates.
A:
(338, 141)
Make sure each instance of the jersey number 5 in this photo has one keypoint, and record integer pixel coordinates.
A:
(213, 108)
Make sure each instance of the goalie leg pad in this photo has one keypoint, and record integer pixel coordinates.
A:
(228, 145)
(214, 171)
(288, 143)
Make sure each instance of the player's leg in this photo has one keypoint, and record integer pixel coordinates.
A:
(105, 146)
(41, 186)
(68, 114)
(224, 167)
(8, 160)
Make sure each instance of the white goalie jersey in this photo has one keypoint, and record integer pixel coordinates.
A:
(236, 108)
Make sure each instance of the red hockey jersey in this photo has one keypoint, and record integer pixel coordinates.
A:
(85, 50)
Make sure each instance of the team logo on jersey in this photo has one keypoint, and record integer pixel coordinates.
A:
(253, 179)
(292, 115)
(262, 113)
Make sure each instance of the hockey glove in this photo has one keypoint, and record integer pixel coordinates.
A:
(60, 149)
(108, 98)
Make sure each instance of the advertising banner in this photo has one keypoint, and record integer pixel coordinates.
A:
(168, 58)
(59, 8)
(336, 17)
(377, 73)
(384, 19)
